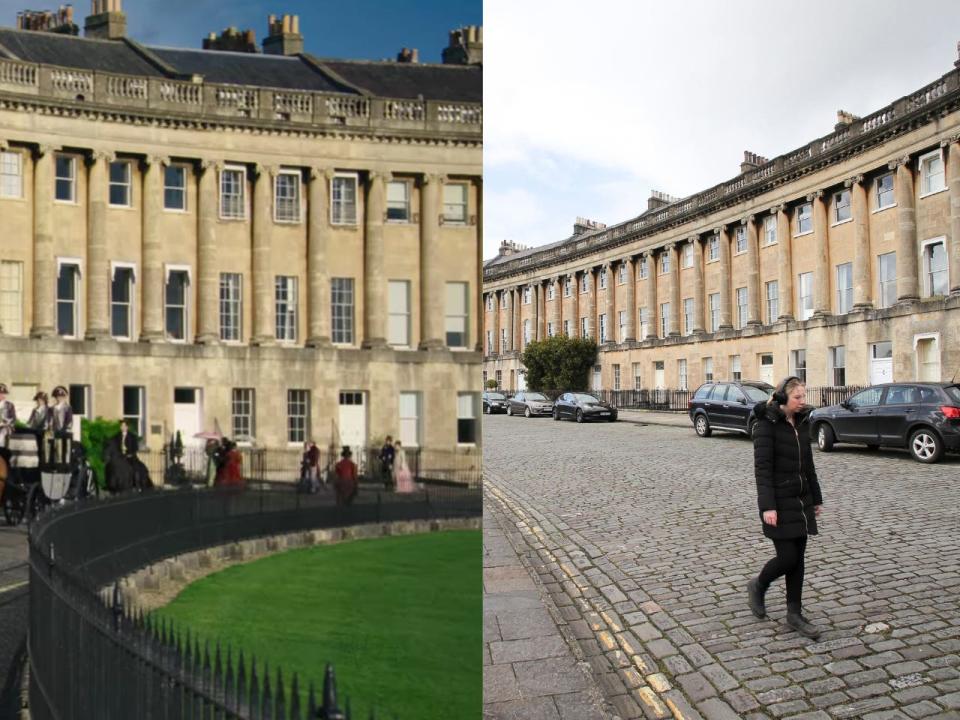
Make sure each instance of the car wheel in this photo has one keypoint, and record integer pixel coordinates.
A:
(702, 426)
(579, 416)
(556, 415)
(825, 437)
(526, 413)
(510, 410)
(488, 410)
(613, 419)
(926, 446)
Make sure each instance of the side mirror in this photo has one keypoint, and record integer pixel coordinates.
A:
(743, 401)
(846, 405)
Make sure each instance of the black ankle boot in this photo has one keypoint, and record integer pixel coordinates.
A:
(755, 598)
(803, 626)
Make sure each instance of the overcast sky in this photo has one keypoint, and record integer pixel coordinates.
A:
(363, 29)
(589, 106)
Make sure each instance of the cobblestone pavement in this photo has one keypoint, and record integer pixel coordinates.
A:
(644, 537)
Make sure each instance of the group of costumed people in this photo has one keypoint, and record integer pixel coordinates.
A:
(52, 425)
(224, 463)
(393, 463)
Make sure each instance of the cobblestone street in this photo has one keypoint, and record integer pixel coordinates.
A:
(641, 539)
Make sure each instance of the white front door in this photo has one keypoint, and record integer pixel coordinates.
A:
(187, 415)
(521, 381)
(881, 363)
(658, 381)
(766, 369)
(597, 379)
(353, 422)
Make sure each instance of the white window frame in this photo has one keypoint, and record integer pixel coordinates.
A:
(409, 424)
(801, 216)
(567, 287)
(406, 204)
(876, 192)
(294, 402)
(664, 319)
(450, 218)
(832, 356)
(550, 291)
(925, 160)
(72, 178)
(769, 230)
(228, 308)
(242, 196)
(682, 383)
(296, 201)
(16, 175)
(935, 336)
(527, 294)
(686, 257)
(643, 323)
(131, 307)
(837, 197)
(526, 332)
(490, 349)
(126, 185)
(167, 269)
(713, 249)
(743, 311)
(925, 265)
(251, 415)
(643, 271)
(736, 368)
(458, 317)
(637, 376)
(140, 419)
(622, 325)
(802, 312)
(664, 263)
(184, 170)
(566, 327)
(353, 313)
(462, 410)
(772, 313)
(342, 220)
(77, 300)
(399, 315)
(583, 327)
(740, 239)
(602, 278)
(708, 369)
(616, 376)
(891, 282)
(17, 307)
(622, 274)
(688, 316)
(602, 333)
(714, 311)
(584, 283)
(844, 294)
(795, 367)
(290, 307)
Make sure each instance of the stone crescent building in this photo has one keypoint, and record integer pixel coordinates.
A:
(285, 246)
(838, 261)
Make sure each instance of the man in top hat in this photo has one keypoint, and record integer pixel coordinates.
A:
(39, 421)
(345, 477)
(8, 416)
(61, 423)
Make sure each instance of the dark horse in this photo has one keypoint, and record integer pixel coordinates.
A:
(122, 473)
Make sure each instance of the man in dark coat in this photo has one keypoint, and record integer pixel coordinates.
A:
(788, 496)
(387, 454)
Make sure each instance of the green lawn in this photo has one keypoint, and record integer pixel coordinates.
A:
(399, 617)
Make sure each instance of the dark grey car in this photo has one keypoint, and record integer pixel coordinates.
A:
(727, 406)
(530, 404)
(494, 402)
(583, 406)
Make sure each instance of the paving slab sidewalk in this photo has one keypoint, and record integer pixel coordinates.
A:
(530, 671)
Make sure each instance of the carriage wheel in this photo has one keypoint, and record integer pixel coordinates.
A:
(13, 506)
(36, 501)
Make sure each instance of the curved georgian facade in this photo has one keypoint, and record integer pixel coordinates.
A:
(839, 261)
(290, 261)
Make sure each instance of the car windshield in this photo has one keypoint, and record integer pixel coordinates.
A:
(535, 396)
(954, 392)
(581, 397)
(496, 396)
(755, 394)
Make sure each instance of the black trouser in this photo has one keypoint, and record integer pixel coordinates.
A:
(789, 562)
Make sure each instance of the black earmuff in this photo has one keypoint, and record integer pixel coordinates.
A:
(780, 394)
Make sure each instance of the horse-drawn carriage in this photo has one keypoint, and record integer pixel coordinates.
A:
(30, 482)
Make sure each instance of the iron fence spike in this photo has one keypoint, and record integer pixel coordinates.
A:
(295, 713)
(281, 708)
(312, 702)
(267, 712)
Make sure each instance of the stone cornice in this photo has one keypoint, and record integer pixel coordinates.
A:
(920, 108)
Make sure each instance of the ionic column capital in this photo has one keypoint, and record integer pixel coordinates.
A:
(781, 208)
(950, 140)
(669, 246)
(98, 155)
(693, 240)
(899, 162)
(3, 145)
(45, 149)
(816, 195)
(855, 180)
(747, 220)
(270, 171)
(432, 179)
(211, 164)
(720, 229)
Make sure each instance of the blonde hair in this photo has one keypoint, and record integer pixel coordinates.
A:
(792, 384)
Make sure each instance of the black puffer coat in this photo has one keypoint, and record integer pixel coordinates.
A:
(786, 478)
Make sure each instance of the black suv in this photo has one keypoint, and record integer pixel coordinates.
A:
(494, 402)
(727, 406)
(922, 417)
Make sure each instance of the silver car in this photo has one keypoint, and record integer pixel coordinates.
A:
(529, 404)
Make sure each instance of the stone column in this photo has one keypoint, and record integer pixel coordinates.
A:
(611, 304)
(726, 309)
(517, 309)
(152, 271)
(264, 294)
(44, 264)
(374, 272)
(821, 270)
(753, 271)
(575, 294)
(478, 275)
(208, 284)
(591, 304)
(861, 243)
(675, 309)
(630, 332)
(319, 332)
(784, 258)
(431, 278)
(908, 281)
(651, 301)
(557, 311)
(699, 293)
(98, 265)
(535, 314)
(496, 323)
(953, 177)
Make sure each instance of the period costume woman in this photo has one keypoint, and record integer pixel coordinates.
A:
(402, 477)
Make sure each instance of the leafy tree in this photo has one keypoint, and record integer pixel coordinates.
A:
(491, 384)
(559, 364)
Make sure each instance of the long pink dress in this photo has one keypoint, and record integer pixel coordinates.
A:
(402, 477)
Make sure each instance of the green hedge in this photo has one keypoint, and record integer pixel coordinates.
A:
(94, 436)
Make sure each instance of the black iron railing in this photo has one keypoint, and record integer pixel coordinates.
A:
(91, 657)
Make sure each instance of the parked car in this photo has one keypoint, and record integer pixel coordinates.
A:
(529, 404)
(494, 402)
(727, 406)
(922, 417)
(583, 406)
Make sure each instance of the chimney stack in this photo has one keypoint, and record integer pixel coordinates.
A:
(844, 119)
(509, 247)
(582, 225)
(751, 161)
(283, 36)
(658, 199)
(406, 55)
(60, 21)
(106, 21)
(466, 46)
(232, 40)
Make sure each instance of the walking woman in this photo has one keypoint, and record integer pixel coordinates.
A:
(788, 495)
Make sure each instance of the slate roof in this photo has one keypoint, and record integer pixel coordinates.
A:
(384, 79)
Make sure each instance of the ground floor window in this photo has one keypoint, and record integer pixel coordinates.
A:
(242, 414)
(410, 418)
(467, 418)
(134, 410)
(298, 415)
(838, 363)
